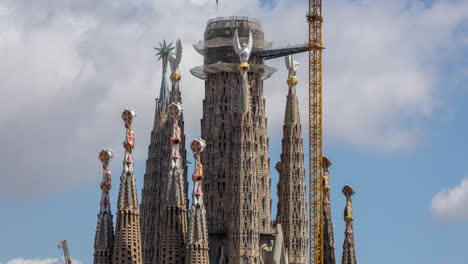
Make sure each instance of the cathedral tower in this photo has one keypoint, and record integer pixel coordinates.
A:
(291, 186)
(237, 185)
(104, 239)
(174, 215)
(197, 248)
(157, 164)
(349, 255)
(127, 245)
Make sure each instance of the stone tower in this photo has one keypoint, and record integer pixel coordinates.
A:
(127, 244)
(349, 255)
(104, 239)
(174, 215)
(237, 183)
(291, 186)
(328, 239)
(197, 248)
(157, 164)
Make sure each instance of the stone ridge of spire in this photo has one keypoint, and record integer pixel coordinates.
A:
(328, 238)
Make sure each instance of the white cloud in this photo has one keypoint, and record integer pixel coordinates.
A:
(69, 68)
(452, 204)
(40, 261)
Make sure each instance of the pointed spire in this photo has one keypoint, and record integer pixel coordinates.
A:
(127, 193)
(197, 232)
(104, 239)
(127, 246)
(197, 250)
(292, 104)
(174, 61)
(349, 254)
(328, 238)
(164, 51)
(291, 185)
(175, 192)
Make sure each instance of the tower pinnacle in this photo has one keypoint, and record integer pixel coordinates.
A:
(197, 249)
(104, 239)
(291, 185)
(127, 246)
(349, 254)
(164, 51)
(174, 215)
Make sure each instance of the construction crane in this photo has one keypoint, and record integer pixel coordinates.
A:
(66, 253)
(315, 20)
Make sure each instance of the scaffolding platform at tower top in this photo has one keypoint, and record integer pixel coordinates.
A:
(249, 19)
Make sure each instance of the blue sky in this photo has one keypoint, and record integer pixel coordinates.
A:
(395, 75)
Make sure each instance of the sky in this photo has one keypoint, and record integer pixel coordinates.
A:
(395, 74)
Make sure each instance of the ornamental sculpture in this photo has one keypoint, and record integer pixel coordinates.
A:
(197, 147)
(105, 156)
(174, 61)
(174, 111)
(128, 115)
(292, 67)
(243, 51)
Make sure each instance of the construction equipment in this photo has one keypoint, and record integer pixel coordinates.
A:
(315, 20)
(66, 253)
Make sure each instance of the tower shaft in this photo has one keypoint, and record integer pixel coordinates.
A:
(237, 185)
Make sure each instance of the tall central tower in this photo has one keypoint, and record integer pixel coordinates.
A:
(234, 125)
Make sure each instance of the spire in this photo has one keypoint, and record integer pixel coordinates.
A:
(157, 164)
(174, 216)
(175, 194)
(104, 239)
(127, 246)
(349, 255)
(127, 193)
(174, 61)
(164, 51)
(197, 249)
(291, 185)
(292, 104)
(328, 239)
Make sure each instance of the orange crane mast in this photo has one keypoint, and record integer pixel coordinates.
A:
(66, 253)
(315, 20)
